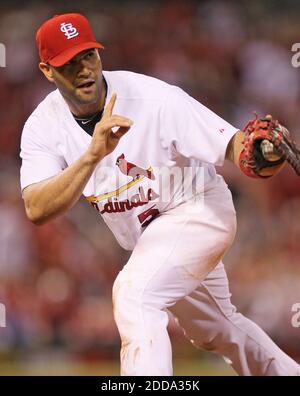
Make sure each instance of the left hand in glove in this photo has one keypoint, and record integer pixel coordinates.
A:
(267, 144)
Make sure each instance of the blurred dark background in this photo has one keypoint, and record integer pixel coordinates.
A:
(55, 280)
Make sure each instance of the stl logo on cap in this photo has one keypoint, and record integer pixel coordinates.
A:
(58, 50)
(69, 30)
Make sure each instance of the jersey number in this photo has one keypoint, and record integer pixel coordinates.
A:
(146, 217)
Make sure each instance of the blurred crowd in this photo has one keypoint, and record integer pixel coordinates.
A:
(234, 57)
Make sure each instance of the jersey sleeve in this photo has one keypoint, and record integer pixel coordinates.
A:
(39, 159)
(193, 130)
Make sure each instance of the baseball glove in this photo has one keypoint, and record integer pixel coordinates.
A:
(267, 144)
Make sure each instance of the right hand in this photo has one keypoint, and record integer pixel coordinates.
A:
(104, 140)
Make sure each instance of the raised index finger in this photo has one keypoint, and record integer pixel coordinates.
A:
(109, 108)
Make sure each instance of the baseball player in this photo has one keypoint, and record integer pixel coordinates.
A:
(143, 152)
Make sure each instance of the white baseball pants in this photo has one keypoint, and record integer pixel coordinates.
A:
(211, 322)
(175, 261)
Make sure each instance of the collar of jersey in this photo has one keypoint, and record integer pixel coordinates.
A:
(70, 115)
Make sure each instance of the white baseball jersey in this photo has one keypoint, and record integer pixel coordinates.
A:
(172, 132)
(175, 262)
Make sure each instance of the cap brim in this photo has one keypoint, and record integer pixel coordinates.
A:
(68, 54)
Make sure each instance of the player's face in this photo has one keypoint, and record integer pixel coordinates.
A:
(80, 81)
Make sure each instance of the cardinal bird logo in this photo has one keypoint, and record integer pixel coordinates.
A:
(129, 169)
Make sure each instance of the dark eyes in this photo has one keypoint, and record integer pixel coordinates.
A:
(88, 56)
(70, 63)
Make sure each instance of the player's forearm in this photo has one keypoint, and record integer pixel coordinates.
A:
(50, 198)
(235, 148)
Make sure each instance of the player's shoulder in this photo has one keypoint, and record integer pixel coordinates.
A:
(132, 85)
(48, 110)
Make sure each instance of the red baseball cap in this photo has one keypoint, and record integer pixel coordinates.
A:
(62, 37)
